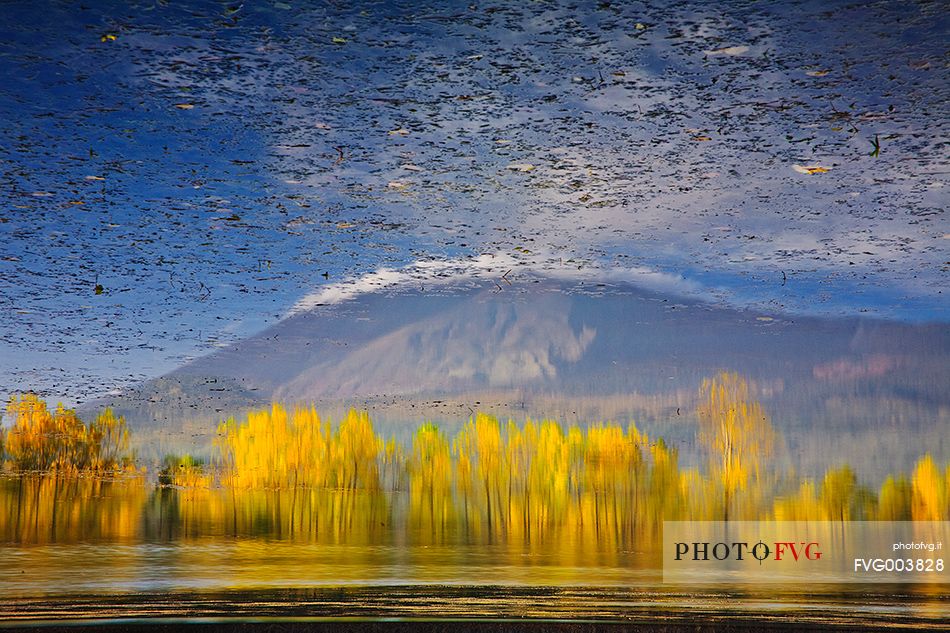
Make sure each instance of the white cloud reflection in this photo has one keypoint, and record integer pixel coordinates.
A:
(494, 267)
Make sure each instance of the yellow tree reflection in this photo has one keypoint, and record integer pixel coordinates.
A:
(736, 433)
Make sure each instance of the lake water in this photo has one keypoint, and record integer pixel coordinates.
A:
(131, 551)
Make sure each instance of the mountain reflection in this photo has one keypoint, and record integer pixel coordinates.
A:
(873, 394)
(488, 343)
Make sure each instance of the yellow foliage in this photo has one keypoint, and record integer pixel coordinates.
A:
(528, 485)
(44, 441)
(930, 499)
(838, 490)
(184, 472)
(430, 482)
(274, 450)
(894, 502)
(803, 506)
(736, 433)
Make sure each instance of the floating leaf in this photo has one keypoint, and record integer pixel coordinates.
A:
(810, 169)
(702, 138)
(731, 51)
(184, 106)
(94, 178)
(345, 225)
(396, 184)
(400, 132)
(640, 26)
(339, 40)
(108, 37)
(817, 73)
(523, 167)
(99, 289)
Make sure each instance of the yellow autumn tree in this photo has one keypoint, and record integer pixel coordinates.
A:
(109, 437)
(801, 506)
(41, 440)
(894, 500)
(613, 479)
(839, 490)
(430, 480)
(480, 466)
(393, 466)
(276, 450)
(736, 434)
(666, 495)
(930, 499)
(254, 454)
(549, 489)
(354, 453)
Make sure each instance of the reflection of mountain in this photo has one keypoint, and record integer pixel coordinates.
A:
(580, 352)
(476, 345)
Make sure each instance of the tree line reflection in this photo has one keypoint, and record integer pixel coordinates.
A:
(536, 485)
